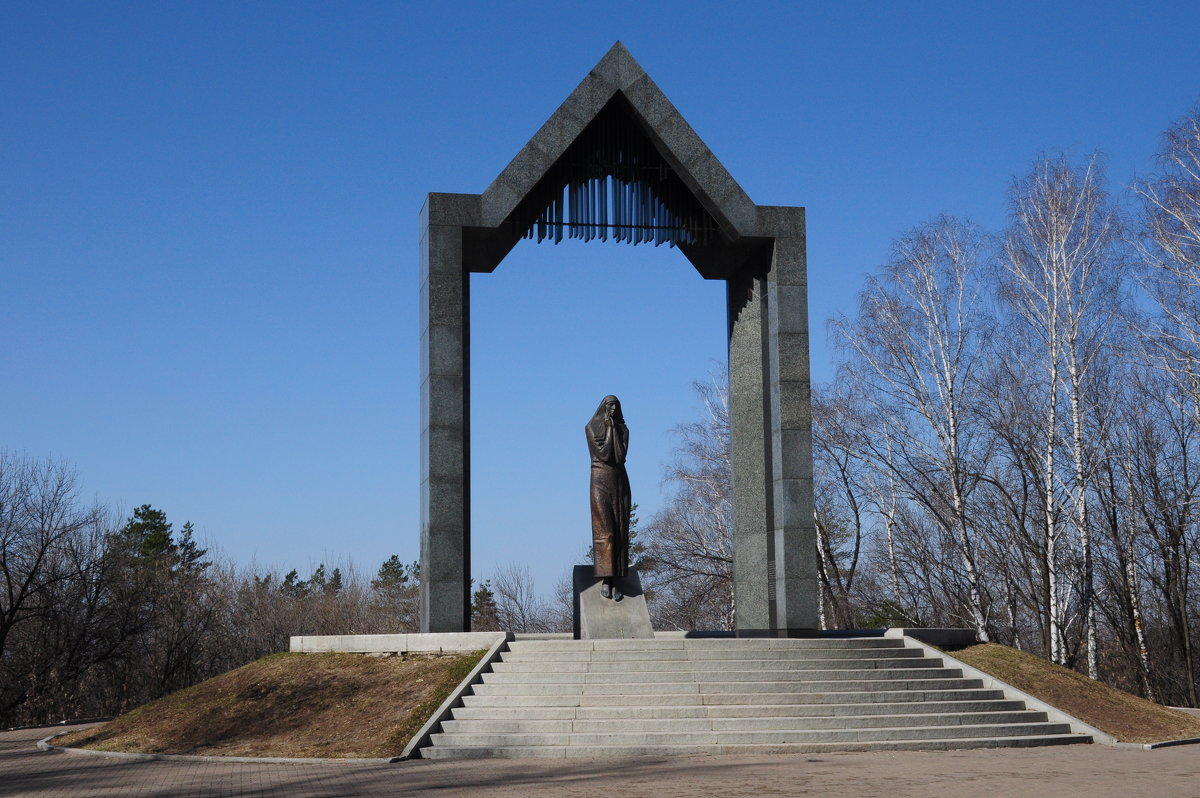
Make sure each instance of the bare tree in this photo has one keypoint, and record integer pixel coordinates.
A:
(689, 543)
(518, 606)
(45, 548)
(1117, 497)
(839, 477)
(1170, 246)
(915, 348)
(881, 483)
(1062, 284)
(40, 523)
(560, 611)
(1165, 493)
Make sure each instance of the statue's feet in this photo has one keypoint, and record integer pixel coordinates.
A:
(617, 594)
(606, 590)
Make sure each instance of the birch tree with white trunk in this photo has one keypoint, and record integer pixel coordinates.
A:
(915, 347)
(1169, 243)
(1062, 282)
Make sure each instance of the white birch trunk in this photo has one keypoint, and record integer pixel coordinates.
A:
(1135, 605)
(918, 337)
(1081, 518)
(1059, 258)
(1054, 610)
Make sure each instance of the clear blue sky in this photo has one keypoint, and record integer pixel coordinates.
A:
(208, 229)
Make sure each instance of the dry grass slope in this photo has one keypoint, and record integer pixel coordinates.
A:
(291, 705)
(1128, 718)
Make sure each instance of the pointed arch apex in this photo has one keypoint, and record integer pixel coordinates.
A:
(619, 72)
(618, 67)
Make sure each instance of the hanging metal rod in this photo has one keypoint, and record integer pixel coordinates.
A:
(612, 181)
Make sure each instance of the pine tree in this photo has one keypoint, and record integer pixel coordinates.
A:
(484, 617)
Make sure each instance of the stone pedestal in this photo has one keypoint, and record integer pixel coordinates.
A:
(598, 618)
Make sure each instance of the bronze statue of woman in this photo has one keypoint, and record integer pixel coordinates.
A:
(608, 441)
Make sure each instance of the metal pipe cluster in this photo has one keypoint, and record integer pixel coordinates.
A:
(613, 182)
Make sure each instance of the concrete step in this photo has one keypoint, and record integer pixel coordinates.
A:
(708, 695)
(741, 644)
(953, 744)
(972, 691)
(738, 724)
(733, 710)
(930, 671)
(750, 737)
(710, 666)
(501, 699)
(576, 699)
(690, 655)
(843, 710)
(837, 722)
(646, 690)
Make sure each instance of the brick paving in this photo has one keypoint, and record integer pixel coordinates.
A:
(1090, 771)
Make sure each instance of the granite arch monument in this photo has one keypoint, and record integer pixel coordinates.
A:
(618, 160)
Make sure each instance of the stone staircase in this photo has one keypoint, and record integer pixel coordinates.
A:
(553, 698)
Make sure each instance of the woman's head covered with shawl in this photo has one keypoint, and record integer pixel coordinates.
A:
(596, 425)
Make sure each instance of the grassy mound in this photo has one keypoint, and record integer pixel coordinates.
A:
(291, 705)
(1128, 718)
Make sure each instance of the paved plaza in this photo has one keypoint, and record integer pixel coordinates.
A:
(1082, 770)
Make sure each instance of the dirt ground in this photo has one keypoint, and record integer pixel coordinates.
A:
(292, 705)
(1086, 771)
(1124, 716)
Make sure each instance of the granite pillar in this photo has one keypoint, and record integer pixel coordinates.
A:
(793, 534)
(749, 414)
(774, 571)
(445, 414)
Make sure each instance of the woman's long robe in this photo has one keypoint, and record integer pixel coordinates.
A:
(611, 500)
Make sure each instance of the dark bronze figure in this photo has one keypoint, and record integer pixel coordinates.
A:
(608, 442)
